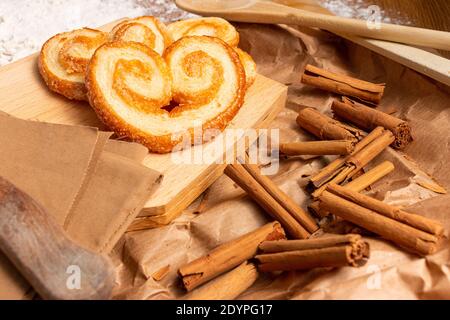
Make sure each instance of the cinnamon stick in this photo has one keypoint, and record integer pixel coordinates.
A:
(282, 198)
(345, 168)
(372, 150)
(227, 256)
(342, 84)
(370, 177)
(358, 184)
(327, 172)
(333, 251)
(331, 147)
(227, 286)
(412, 232)
(322, 126)
(368, 118)
(273, 205)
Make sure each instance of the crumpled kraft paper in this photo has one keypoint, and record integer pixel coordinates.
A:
(227, 213)
(93, 186)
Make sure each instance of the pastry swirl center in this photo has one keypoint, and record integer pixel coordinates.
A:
(133, 82)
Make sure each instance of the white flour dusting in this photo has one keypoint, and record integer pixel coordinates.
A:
(359, 9)
(26, 24)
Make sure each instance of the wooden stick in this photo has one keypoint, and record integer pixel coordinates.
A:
(330, 147)
(227, 286)
(257, 192)
(343, 85)
(306, 221)
(227, 256)
(368, 118)
(327, 172)
(370, 177)
(336, 251)
(322, 126)
(390, 228)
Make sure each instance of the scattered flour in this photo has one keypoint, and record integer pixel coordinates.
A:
(359, 9)
(26, 24)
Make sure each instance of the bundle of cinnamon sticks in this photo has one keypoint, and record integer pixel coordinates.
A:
(297, 222)
(357, 135)
(329, 251)
(231, 268)
(410, 231)
(362, 116)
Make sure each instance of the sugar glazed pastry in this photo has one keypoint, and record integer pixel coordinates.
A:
(146, 30)
(130, 87)
(213, 27)
(64, 58)
(219, 28)
(249, 66)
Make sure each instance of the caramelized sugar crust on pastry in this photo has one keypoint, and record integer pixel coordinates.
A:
(249, 66)
(146, 30)
(130, 87)
(64, 58)
(213, 27)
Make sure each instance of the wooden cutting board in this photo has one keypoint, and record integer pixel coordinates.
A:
(23, 94)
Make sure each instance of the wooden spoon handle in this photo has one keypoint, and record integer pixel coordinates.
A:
(54, 265)
(269, 12)
(382, 31)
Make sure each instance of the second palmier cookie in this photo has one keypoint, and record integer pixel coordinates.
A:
(130, 88)
(213, 27)
(146, 30)
(64, 58)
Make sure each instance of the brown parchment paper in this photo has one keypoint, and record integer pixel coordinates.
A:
(92, 185)
(391, 273)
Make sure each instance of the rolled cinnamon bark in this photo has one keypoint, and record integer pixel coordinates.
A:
(334, 251)
(369, 152)
(227, 286)
(368, 118)
(330, 147)
(322, 126)
(412, 232)
(342, 84)
(227, 256)
(327, 172)
(353, 163)
(359, 184)
(273, 206)
(370, 177)
(413, 220)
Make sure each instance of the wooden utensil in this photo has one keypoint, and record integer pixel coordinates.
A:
(422, 61)
(55, 266)
(271, 12)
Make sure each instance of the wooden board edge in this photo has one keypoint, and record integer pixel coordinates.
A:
(173, 210)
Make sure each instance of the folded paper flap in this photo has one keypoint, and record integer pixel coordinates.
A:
(99, 224)
(134, 151)
(94, 193)
(47, 161)
(353, 82)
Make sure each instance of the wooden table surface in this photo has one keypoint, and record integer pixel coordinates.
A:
(432, 14)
